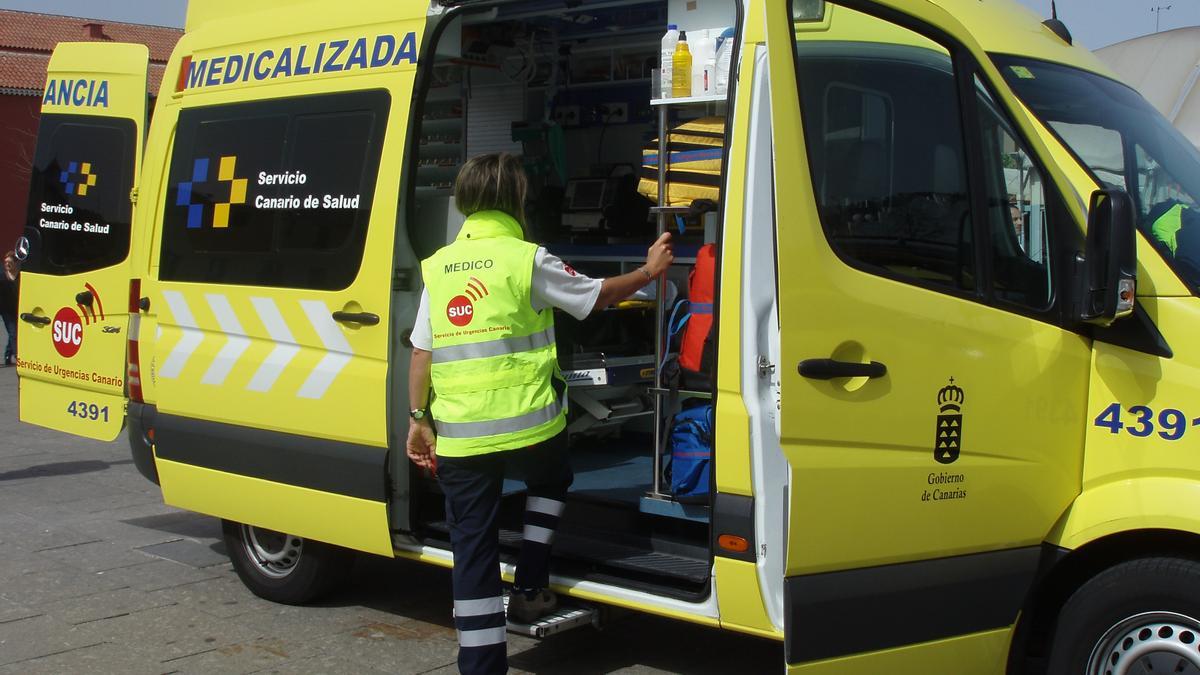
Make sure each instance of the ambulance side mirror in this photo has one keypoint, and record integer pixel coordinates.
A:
(1107, 270)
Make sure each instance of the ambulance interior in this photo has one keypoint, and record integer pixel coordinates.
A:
(568, 87)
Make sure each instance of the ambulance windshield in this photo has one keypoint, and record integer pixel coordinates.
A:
(1127, 145)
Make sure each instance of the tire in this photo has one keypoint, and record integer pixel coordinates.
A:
(282, 568)
(1141, 616)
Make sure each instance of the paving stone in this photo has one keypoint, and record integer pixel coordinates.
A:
(224, 597)
(34, 535)
(326, 665)
(243, 657)
(394, 647)
(98, 556)
(11, 611)
(312, 622)
(59, 582)
(187, 552)
(170, 633)
(181, 524)
(42, 636)
(101, 658)
(158, 574)
(106, 605)
(17, 562)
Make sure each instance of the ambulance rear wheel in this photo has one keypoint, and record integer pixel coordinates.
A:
(1141, 616)
(284, 568)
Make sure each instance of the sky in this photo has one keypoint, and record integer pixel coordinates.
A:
(1094, 23)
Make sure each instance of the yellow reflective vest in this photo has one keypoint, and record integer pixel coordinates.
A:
(494, 357)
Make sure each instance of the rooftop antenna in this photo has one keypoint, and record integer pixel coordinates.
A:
(1158, 15)
(1057, 27)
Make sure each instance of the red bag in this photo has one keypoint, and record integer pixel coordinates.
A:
(700, 295)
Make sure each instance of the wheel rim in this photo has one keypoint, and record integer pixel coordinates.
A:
(1154, 642)
(274, 554)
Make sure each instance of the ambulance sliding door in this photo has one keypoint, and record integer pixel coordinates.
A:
(932, 399)
(74, 252)
(272, 296)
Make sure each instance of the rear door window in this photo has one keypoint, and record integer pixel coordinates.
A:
(273, 193)
(79, 208)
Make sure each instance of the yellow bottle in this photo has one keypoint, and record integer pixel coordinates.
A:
(681, 69)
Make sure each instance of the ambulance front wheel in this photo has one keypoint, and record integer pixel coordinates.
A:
(284, 568)
(1141, 616)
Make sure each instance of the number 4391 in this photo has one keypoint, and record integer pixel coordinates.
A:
(1173, 423)
(87, 411)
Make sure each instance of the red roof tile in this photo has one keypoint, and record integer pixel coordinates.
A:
(27, 39)
(28, 31)
(23, 71)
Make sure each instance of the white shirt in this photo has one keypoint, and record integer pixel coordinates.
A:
(555, 284)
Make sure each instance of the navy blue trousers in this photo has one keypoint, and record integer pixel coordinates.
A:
(473, 487)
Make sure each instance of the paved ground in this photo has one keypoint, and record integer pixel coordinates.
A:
(98, 576)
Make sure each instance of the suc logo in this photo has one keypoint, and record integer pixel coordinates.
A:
(67, 332)
(461, 309)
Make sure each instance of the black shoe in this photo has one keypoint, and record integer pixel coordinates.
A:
(527, 609)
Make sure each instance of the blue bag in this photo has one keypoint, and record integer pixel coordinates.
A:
(691, 451)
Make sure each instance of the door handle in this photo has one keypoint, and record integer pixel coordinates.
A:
(828, 369)
(362, 318)
(35, 319)
(85, 298)
(144, 304)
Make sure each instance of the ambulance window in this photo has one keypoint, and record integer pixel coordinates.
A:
(1016, 212)
(882, 127)
(274, 193)
(79, 209)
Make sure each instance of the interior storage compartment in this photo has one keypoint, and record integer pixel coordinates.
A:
(571, 89)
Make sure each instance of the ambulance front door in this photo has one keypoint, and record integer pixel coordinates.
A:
(75, 276)
(932, 400)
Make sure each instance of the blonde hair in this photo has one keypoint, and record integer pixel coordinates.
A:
(492, 182)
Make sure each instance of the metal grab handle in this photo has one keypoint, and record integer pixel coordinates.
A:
(35, 319)
(364, 318)
(85, 298)
(828, 369)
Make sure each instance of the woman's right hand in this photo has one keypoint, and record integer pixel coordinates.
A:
(660, 256)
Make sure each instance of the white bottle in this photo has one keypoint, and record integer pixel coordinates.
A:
(704, 51)
(668, 53)
(724, 61)
(710, 76)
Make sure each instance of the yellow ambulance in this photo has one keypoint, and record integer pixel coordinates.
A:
(956, 274)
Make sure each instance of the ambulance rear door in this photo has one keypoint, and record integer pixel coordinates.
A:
(74, 252)
(273, 282)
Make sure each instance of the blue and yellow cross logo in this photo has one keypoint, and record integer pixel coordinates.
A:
(78, 178)
(225, 174)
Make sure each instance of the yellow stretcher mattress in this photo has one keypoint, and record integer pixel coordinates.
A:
(695, 153)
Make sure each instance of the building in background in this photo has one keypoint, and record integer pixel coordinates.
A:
(1165, 68)
(26, 41)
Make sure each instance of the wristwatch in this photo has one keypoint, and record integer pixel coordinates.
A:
(418, 413)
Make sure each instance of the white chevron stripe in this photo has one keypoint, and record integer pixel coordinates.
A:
(236, 342)
(192, 337)
(338, 352)
(285, 346)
